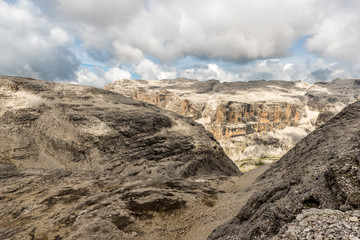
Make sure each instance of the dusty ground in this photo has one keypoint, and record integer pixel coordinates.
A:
(197, 221)
(42, 204)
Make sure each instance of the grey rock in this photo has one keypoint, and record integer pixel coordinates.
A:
(83, 163)
(60, 126)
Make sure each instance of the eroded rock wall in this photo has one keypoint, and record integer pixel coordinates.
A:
(322, 172)
(240, 119)
(253, 121)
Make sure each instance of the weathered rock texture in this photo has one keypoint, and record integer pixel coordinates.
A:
(321, 224)
(322, 171)
(57, 126)
(62, 204)
(83, 163)
(260, 119)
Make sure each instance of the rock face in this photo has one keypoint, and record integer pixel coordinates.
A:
(235, 119)
(57, 126)
(322, 171)
(83, 163)
(254, 122)
(322, 224)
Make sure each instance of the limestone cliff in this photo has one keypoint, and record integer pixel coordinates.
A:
(319, 175)
(255, 122)
(245, 118)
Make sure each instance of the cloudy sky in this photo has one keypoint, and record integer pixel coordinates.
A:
(96, 42)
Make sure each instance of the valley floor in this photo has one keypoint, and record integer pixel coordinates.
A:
(197, 221)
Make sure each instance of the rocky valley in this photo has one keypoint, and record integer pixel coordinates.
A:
(317, 181)
(78, 162)
(84, 163)
(255, 122)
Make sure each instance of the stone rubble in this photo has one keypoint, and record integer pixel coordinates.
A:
(322, 224)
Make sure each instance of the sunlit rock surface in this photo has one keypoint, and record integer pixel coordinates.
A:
(83, 163)
(312, 192)
(255, 122)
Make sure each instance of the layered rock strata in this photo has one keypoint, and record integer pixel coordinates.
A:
(255, 122)
(322, 171)
(57, 126)
(83, 163)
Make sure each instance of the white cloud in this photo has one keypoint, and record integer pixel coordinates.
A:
(149, 70)
(116, 73)
(310, 71)
(36, 37)
(59, 37)
(100, 13)
(234, 30)
(97, 23)
(272, 69)
(338, 35)
(86, 77)
(127, 53)
(98, 77)
(30, 45)
(208, 71)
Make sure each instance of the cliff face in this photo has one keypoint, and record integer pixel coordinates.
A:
(240, 119)
(83, 163)
(319, 175)
(255, 122)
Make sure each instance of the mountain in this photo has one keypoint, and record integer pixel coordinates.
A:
(58, 126)
(255, 122)
(83, 163)
(313, 191)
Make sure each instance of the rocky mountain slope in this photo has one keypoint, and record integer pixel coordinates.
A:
(58, 126)
(255, 122)
(322, 171)
(83, 163)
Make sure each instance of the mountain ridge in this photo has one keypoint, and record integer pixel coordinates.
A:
(254, 122)
(97, 129)
(320, 172)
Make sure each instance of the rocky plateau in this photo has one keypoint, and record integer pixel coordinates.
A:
(255, 122)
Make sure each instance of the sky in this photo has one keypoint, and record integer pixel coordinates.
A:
(94, 42)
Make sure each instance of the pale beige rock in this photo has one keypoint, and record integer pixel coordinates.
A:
(353, 219)
(255, 122)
